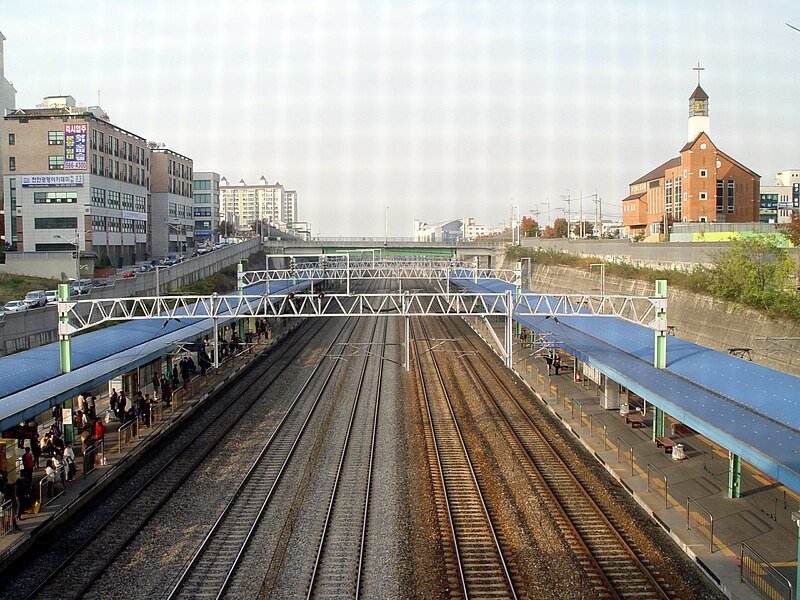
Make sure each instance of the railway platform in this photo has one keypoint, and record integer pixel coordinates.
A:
(120, 451)
(746, 545)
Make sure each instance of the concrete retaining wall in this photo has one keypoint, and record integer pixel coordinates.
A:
(33, 328)
(663, 255)
(697, 318)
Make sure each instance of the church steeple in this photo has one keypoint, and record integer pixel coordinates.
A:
(698, 109)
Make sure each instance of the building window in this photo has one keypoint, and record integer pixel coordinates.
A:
(202, 184)
(202, 198)
(127, 201)
(668, 196)
(112, 199)
(55, 162)
(685, 173)
(98, 197)
(113, 223)
(703, 173)
(139, 204)
(12, 139)
(202, 211)
(55, 138)
(730, 195)
(12, 163)
(703, 196)
(56, 223)
(55, 197)
(98, 223)
(678, 207)
(720, 195)
(703, 220)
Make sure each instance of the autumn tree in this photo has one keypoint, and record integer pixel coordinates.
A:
(530, 227)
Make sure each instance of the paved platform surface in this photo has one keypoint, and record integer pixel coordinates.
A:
(761, 518)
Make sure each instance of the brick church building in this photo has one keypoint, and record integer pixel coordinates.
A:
(702, 185)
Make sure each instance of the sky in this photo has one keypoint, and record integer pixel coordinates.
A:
(436, 109)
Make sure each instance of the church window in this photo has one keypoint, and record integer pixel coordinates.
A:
(730, 195)
(703, 173)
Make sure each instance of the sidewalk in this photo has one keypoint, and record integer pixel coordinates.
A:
(761, 518)
(120, 451)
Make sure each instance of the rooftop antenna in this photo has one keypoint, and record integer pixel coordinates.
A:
(789, 24)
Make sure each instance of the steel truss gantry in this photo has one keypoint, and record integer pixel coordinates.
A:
(78, 315)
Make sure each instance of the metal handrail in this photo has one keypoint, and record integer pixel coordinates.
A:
(689, 501)
(619, 446)
(760, 575)
(666, 484)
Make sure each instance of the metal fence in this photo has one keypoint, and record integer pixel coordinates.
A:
(760, 575)
(7, 516)
(703, 519)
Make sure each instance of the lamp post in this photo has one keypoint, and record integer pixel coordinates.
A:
(75, 242)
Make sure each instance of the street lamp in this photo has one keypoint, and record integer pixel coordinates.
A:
(178, 228)
(75, 242)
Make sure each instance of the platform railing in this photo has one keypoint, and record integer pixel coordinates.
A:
(651, 467)
(50, 487)
(704, 519)
(7, 512)
(760, 575)
(620, 441)
(126, 433)
(93, 452)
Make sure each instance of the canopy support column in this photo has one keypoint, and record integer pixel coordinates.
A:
(734, 475)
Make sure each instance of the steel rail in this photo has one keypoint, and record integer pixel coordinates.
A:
(316, 581)
(106, 557)
(484, 553)
(582, 509)
(202, 572)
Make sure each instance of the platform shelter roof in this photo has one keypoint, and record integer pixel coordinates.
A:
(747, 408)
(31, 380)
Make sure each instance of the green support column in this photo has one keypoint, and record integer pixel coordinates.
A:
(518, 288)
(658, 423)
(660, 355)
(734, 475)
(65, 361)
(796, 519)
(475, 272)
(169, 368)
(240, 286)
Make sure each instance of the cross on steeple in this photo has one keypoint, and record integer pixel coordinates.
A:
(698, 68)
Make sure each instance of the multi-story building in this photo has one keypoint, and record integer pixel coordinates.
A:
(702, 185)
(8, 97)
(72, 179)
(206, 207)
(245, 205)
(171, 203)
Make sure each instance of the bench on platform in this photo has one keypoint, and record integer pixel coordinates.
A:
(636, 420)
(666, 442)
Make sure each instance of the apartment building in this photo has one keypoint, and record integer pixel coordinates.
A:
(245, 205)
(206, 207)
(171, 202)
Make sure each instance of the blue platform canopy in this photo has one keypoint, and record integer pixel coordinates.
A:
(751, 410)
(31, 381)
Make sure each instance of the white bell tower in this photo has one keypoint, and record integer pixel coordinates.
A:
(698, 109)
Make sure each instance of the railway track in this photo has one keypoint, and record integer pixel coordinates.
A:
(118, 521)
(340, 554)
(614, 564)
(210, 569)
(482, 571)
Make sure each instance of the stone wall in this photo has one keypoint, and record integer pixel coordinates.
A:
(696, 318)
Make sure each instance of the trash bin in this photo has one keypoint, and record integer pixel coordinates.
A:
(624, 409)
(677, 452)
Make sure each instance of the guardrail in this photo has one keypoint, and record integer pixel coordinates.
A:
(760, 575)
(7, 512)
(651, 467)
(619, 447)
(706, 525)
(51, 486)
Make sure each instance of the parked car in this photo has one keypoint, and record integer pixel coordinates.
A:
(79, 287)
(36, 299)
(97, 282)
(52, 296)
(129, 274)
(15, 306)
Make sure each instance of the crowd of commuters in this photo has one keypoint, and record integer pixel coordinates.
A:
(54, 459)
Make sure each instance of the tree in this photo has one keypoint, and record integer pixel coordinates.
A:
(792, 229)
(755, 271)
(588, 229)
(227, 229)
(560, 226)
(530, 227)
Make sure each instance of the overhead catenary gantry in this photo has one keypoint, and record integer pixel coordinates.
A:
(79, 315)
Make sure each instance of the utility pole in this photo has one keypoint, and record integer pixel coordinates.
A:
(568, 199)
(583, 232)
(598, 206)
(548, 211)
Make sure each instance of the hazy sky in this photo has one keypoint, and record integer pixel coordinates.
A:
(438, 109)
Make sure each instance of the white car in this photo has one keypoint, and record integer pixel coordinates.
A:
(52, 296)
(15, 306)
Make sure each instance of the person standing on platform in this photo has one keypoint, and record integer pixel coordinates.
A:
(113, 401)
(121, 406)
(173, 380)
(27, 464)
(69, 461)
(557, 362)
(156, 381)
(185, 372)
